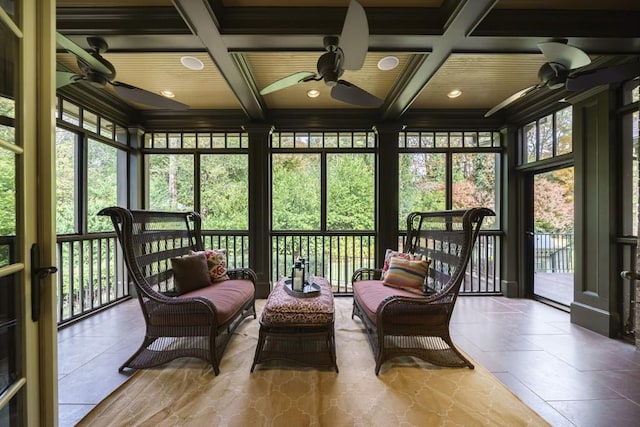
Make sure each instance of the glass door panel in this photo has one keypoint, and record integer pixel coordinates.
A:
(553, 235)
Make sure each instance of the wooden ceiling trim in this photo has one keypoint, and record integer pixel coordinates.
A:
(120, 20)
(201, 20)
(560, 23)
(465, 18)
(328, 20)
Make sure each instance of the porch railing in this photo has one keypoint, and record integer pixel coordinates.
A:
(553, 252)
(337, 256)
(92, 274)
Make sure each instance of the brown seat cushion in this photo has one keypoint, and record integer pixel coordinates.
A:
(228, 296)
(370, 293)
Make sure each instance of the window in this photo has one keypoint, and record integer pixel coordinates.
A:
(448, 170)
(169, 182)
(66, 185)
(205, 172)
(350, 191)
(630, 152)
(224, 191)
(422, 183)
(91, 169)
(547, 137)
(323, 203)
(474, 182)
(296, 191)
(102, 184)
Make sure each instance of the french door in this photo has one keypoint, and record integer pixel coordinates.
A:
(28, 373)
(552, 235)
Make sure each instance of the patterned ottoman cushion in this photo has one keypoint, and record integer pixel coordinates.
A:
(285, 309)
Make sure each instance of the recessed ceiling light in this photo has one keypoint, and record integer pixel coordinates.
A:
(313, 93)
(454, 93)
(192, 63)
(388, 63)
(167, 93)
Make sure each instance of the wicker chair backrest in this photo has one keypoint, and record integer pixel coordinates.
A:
(149, 239)
(447, 238)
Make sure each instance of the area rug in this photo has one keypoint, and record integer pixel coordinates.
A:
(408, 392)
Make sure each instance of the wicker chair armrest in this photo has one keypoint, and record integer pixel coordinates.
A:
(243, 273)
(179, 308)
(428, 302)
(366, 274)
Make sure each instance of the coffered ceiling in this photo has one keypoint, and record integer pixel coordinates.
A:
(487, 49)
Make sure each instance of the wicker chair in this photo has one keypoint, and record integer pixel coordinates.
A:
(402, 323)
(196, 324)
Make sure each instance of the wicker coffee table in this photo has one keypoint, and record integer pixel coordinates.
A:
(298, 329)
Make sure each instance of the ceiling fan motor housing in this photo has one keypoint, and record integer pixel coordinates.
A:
(553, 75)
(329, 68)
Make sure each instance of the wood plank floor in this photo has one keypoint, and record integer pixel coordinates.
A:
(569, 375)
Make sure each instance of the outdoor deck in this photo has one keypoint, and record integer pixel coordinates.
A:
(556, 287)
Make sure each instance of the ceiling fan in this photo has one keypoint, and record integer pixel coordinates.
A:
(347, 52)
(99, 72)
(562, 69)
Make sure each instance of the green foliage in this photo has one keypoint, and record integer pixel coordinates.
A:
(553, 202)
(295, 192)
(65, 181)
(350, 192)
(421, 183)
(224, 191)
(102, 184)
(170, 183)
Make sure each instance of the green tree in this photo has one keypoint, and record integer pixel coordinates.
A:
(295, 191)
(350, 192)
(224, 191)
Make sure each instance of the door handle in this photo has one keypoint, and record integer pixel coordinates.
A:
(630, 275)
(37, 274)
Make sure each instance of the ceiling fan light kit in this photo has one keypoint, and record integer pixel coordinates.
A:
(564, 69)
(346, 52)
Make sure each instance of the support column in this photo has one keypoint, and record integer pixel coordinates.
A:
(259, 206)
(512, 246)
(387, 195)
(136, 168)
(595, 304)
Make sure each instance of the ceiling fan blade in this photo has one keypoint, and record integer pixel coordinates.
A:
(290, 80)
(352, 94)
(85, 56)
(511, 99)
(354, 39)
(64, 78)
(141, 96)
(569, 56)
(591, 78)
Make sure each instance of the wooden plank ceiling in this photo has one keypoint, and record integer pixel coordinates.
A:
(485, 48)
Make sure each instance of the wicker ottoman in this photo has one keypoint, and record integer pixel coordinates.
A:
(298, 329)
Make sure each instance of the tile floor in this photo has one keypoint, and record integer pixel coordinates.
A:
(569, 375)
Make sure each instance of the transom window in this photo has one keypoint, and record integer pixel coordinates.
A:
(547, 137)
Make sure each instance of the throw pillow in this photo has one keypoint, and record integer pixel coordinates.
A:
(406, 274)
(190, 272)
(390, 253)
(217, 263)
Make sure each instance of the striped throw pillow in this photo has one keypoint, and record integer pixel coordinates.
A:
(406, 274)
